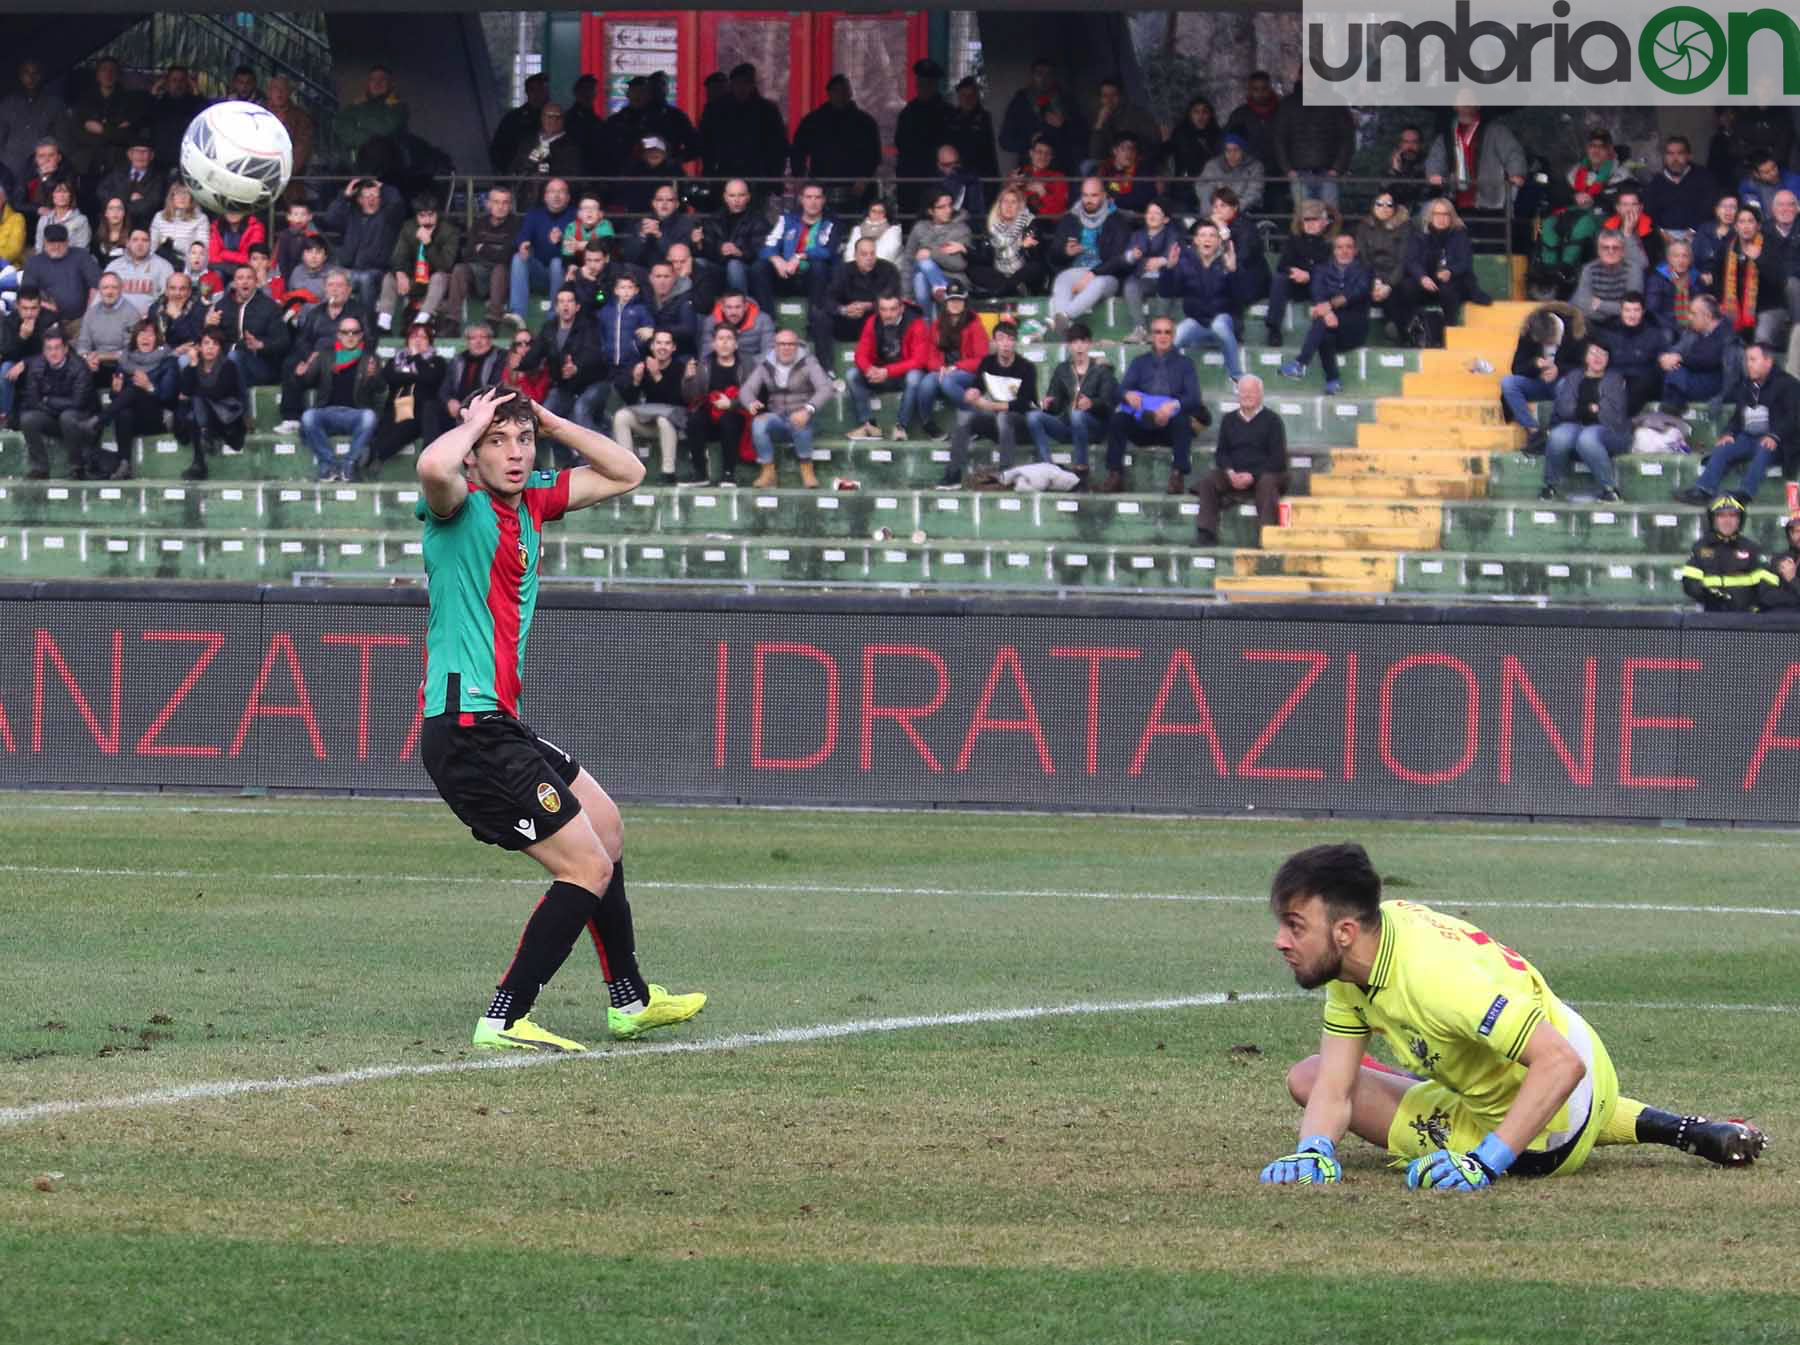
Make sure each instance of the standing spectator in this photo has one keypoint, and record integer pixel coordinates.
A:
(552, 153)
(1763, 432)
(569, 348)
(178, 225)
(414, 411)
(587, 128)
(475, 367)
(968, 193)
(1203, 279)
(317, 327)
(62, 209)
(1342, 290)
(755, 329)
(1725, 570)
(968, 126)
(1253, 122)
(539, 248)
(1694, 368)
(1479, 161)
(1078, 403)
(296, 119)
(839, 140)
(650, 388)
(1089, 239)
(1632, 349)
(1114, 116)
(894, 354)
(1251, 461)
(959, 343)
(487, 252)
(210, 410)
(1589, 420)
(919, 133)
(648, 112)
(650, 170)
(1751, 285)
(420, 269)
(347, 388)
(713, 387)
(1605, 281)
(137, 182)
(1313, 144)
(173, 105)
(242, 86)
(1194, 142)
(1236, 168)
(520, 124)
(1439, 269)
(143, 276)
(252, 322)
(1552, 340)
(995, 406)
(292, 239)
(1306, 248)
(797, 255)
(57, 401)
(936, 250)
(671, 312)
(109, 237)
(1381, 243)
(783, 393)
(68, 280)
(1007, 262)
(21, 339)
(381, 115)
(144, 387)
(1159, 401)
(1680, 197)
(105, 122)
(1045, 189)
(850, 300)
(30, 115)
(1406, 169)
(733, 235)
(366, 220)
(745, 134)
(879, 227)
(1042, 110)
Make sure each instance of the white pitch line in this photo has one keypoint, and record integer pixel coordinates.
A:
(872, 890)
(784, 1036)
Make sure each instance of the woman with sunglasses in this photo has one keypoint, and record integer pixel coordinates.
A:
(1381, 242)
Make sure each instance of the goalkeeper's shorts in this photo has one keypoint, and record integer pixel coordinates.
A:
(1561, 1149)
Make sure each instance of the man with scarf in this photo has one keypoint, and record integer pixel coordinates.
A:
(1763, 432)
(348, 387)
(797, 254)
(1342, 291)
(1751, 284)
(1672, 286)
(1478, 160)
(1088, 239)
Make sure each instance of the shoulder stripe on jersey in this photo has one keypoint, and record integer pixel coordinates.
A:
(1529, 1026)
(1337, 1031)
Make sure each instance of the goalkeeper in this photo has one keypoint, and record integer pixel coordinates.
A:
(1506, 1078)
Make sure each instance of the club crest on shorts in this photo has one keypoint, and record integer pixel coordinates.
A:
(548, 799)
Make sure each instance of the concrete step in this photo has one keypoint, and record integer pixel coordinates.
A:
(1428, 413)
(1408, 461)
(1399, 487)
(1374, 569)
(1286, 586)
(1458, 361)
(1351, 539)
(1349, 513)
(1472, 437)
(1456, 386)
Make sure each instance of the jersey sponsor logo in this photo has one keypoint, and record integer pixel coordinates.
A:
(1423, 1053)
(524, 555)
(526, 828)
(1492, 1016)
(548, 799)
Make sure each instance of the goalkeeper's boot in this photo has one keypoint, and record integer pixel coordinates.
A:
(1730, 1144)
(663, 1010)
(522, 1035)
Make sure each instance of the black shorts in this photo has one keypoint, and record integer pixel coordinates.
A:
(511, 787)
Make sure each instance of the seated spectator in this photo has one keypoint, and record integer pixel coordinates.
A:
(1784, 593)
(1671, 286)
(306, 282)
(668, 223)
(143, 276)
(1342, 291)
(968, 194)
(1130, 183)
(21, 340)
(538, 248)
(1632, 348)
(516, 371)
(1046, 190)
(347, 387)
(1596, 176)
(254, 325)
(703, 290)
(178, 318)
(211, 409)
(28, 114)
(1643, 241)
(713, 387)
(485, 267)
(1306, 248)
(1159, 401)
(733, 236)
(877, 225)
(755, 329)
(262, 261)
(420, 269)
(1680, 198)
(1763, 432)
(1204, 279)
(12, 232)
(1089, 238)
(1439, 269)
(135, 184)
(178, 225)
(569, 348)
(1251, 462)
(1766, 177)
(1232, 168)
(1713, 240)
(596, 274)
(145, 383)
(1605, 281)
(622, 325)
(649, 169)
(589, 226)
(1751, 285)
(796, 256)
(851, 299)
(1153, 248)
(892, 357)
(64, 276)
(366, 220)
(414, 411)
(1194, 142)
(315, 329)
(670, 312)
(1078, 403)
(232, 236)
(1694, 368)
(1381, 243)
(64, 211)
(784, 393)
(381, 115)
(48, 170)
(109, 237)
(57, 401)
(476, 366)
(1781, 237)
(995, 406)
(1552, 341)
(1589, 420)
(1242, 246)
(1725, 571)
(937, 249)
(1005, 261)
(959, 343)
(651, 391)
(105, 329)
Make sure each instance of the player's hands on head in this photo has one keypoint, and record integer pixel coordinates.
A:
(481, 407)
(1314, 1163)
(1451, 1170)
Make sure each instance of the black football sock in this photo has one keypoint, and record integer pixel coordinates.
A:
(544, 946)
(1660, 1127)
(610, 924)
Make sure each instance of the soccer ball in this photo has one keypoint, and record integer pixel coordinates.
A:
(236, 156)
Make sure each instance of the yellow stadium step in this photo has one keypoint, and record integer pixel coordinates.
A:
(1506, 313)
(1401, 487)
(1430, 413)
(1466, 436)
(1287, 586)
(1427, 461)
(1352, 539)
(1462, 386)
(1374, 569)
(1306, 511)
(1457, 361)
(1480, 340)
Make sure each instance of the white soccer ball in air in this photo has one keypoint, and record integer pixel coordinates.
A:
(236, 157)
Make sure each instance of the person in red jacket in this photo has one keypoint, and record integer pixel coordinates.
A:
(233, 235)
(958, 346)
(894, 355)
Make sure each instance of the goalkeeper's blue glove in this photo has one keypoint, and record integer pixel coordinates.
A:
(1314, 1162)
(1448, 1170)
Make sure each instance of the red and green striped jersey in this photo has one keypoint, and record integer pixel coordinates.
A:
(482, 566)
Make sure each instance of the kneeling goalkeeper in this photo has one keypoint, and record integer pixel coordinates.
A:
(1505, 1077)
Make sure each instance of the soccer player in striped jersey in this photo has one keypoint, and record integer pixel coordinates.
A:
(484, 510)
(1504, 1077)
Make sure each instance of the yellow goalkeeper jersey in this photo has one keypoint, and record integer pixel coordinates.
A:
(1457, 1006)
